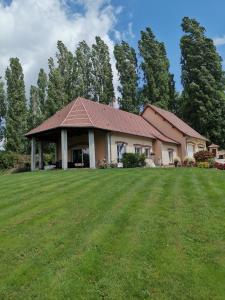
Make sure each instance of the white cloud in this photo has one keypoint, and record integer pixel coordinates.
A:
(219, 41)
(29, 30)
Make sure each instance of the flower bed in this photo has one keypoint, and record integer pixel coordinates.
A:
(220, 166)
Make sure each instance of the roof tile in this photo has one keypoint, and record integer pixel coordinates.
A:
(86, 113)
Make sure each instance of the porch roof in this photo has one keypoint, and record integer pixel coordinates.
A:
(83, 113)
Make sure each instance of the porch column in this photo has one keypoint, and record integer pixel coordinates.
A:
(108, 147)
(91, 140)
(33, 154)
(64, 148)
(40, 155)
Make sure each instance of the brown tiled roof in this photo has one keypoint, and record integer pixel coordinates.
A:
(85, 113)
(177, 122)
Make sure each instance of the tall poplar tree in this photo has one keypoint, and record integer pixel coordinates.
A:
(2, 109)
(155, 67)
(82, 78)
(102, 71)
(42, 84)
(203, 80)
(35, 113)
(126, 64)
(16, 117)
(65, 62)
(56, 98)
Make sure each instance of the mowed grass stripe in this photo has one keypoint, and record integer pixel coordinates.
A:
(103, 183)
(117, 234)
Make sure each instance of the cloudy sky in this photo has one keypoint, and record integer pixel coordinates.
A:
(29, 29)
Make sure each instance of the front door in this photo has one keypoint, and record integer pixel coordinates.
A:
(78, 157)
(81, 157)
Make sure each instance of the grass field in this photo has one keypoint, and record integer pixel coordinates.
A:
(113, 234)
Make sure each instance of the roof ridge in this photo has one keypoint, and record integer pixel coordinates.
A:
(160, 111)
(87, 112)
(72, 105)
(160, 132)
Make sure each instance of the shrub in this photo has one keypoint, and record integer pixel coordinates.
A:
(102, 164)
(49, 158)
(203, 164)
(211, 162)
(176, 161)
(8, 160)
(133, 160)
(203, 155)
(220, 166)
(189, 161)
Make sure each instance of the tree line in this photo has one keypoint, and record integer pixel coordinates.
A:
(144, 78)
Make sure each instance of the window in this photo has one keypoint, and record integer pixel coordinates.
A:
(138, 149)
(147, 152)
(121, 149)
(190, 150)
(170, 152)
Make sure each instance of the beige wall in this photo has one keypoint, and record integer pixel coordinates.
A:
(131, 140)
(100, 145)
(165, 153)
(197, 144)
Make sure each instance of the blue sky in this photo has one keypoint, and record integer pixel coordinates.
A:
(29, 29)
(164, 17)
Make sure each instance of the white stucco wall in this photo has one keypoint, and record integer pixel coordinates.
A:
(196, 144)
(165, 153)
(131, 140)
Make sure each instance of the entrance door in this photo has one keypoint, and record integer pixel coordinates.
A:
(78, 157)
(81, 157)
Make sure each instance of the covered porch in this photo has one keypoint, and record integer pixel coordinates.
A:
(74, 147)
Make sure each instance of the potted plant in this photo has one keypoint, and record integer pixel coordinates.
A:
(176, 161)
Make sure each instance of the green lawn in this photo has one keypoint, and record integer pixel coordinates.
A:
(113, 234)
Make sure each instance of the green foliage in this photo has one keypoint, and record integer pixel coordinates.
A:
(16, 117)
(42, 84)
(202, 156)
(211, 162)
(203, 164)
(82, 72)
(65, 62)
(133, 160)
(126, 64)
(102, 72)
(159, 86)
(57, 98)
(203, 98)
(2, 109)
(8, 160)
(35, 113)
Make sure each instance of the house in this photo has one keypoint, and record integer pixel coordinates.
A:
(218, 154)
(86, 133)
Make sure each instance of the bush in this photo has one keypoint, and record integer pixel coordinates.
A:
(203, 156)
(189, 161)
(220, 166)
(177, 161)
(8, 160)
(203, 164)
(211, 162)
(133, 160)
(102, 164)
